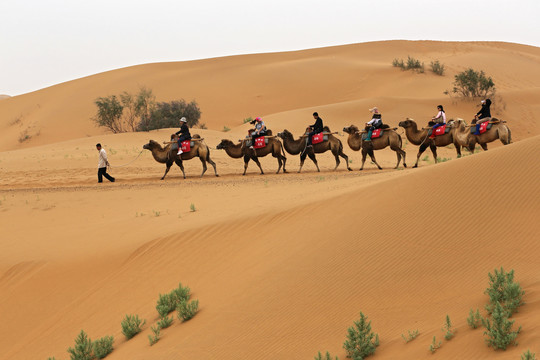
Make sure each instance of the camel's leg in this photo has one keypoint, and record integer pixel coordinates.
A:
(484, 146)
(181, 166)
(302, 159)
(284, 159)
(364, 155)
(421, 150)
(203, 161)
(336, 155)
(458, 149)
(312, 157)
(254, 158)
(398, 154)
(211, 163)
(280, 163)
(372, 156)
(346, 158)
(168, 164)
(246, 161)
(433, 149)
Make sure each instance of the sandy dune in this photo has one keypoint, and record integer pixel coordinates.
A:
(282, 264)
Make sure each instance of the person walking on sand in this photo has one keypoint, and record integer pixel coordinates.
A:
(102, 165)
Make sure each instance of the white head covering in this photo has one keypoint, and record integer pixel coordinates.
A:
(183, 119)
(374, 109)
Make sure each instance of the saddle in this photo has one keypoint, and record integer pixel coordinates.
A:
(260, 142)
(441, 130)
(186, 145)
(485, 126)
(375, 134)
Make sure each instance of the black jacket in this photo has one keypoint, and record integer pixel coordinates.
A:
(318, 126)
(184, 130)
(484, 111)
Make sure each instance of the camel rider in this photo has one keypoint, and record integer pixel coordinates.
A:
(374, 123)
(439, 120)
(315, 128)
(260, 130)
(484, 113)
(185, 135)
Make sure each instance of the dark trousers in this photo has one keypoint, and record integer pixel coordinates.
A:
(254, 136)
(182, 138)
(310, 135)
(103, 172)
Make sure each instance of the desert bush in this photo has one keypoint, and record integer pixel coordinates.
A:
(398, 63)
(203, 126)
(165, 322)
(411, 336)
(527, 355)
(226, 128)
(155, 337)
(361, 341)
(109, 113)
(502, 289)
(83, 348)
(434, 345)
(499, 330)
(131, 326)
(437, 67)
(327, 356)
(103, 347)
(137, 108)
(472, 83)
(448, 328)
(187, 310)
(192, 207)
(475, 319)
(168, 114)
(247, 120)
(168, 302)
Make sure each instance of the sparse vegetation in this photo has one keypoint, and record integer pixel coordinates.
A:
(247, 120)
(168, 114)
(425, 158)
(434, 345)
(225, 129)
(168, 302)
(411, 335)
(155, 337)
(361, 341)
(410, 64)
(24, 136)
(437, 67)
(448, 328)
(103, 347)
(398, 63)
(527, 355)
(83, 348)
(475, 319)
(165, 322)
(192, 207)
(503, 290)
(131, 326)
(472, 83)
(499, 330)
(327, 356)
(187, 310)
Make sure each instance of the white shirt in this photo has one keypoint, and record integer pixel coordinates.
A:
(443, 115)
(102, 158)
(374, 120)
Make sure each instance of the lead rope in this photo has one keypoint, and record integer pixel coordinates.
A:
(117, 166)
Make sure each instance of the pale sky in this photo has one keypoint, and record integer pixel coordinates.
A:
(47, 42)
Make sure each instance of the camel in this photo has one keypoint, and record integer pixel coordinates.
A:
(295, 147)
(239, 150)
(168, 156)
(388, 138)
(421, 137)
(462, 134)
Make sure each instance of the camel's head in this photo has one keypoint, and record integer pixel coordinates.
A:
(351, 129)
(284, 134)
(406, 123)
(224, 144)
(151, 145)
(460, 123)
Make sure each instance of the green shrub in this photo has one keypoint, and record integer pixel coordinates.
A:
(434, 345)
(131, 326)
(448, 328)
(192, 207)
(225, 129)
(437, 67)
(187, 310)
(247, 120)
(398, 63)
(103, 347)
(472, 83)
(327, 356)
(475, 319)
(502, 289)
(527, 355)
(411, 336)
(165, 322)
(109, 113)
(361, 341)
(499, 331)
(154, 338)
(83, 348)
(168, 114)
(168, 302)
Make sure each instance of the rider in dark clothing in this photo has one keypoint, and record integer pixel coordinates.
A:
(184, 130)
(484, 112)
(315, 128)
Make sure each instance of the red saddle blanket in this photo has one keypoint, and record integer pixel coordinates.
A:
(483, 127)
(317, 138)
(259, 142)
(186, 146)
(376, 133)
(440, 130)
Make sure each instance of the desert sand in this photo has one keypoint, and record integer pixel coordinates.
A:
(282, 264)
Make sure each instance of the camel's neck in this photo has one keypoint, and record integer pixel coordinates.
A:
(292, 146)
(461, 133)
(414, 135)
(234, 151)
(355, 141)
(161, 154)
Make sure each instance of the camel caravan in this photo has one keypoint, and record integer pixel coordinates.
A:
(318, 139)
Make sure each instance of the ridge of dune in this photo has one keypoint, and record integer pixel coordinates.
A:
(232, 88)
(287, 282)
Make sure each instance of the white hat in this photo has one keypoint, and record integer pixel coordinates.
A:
(183, 119)
(374, 109)
(483, 101)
